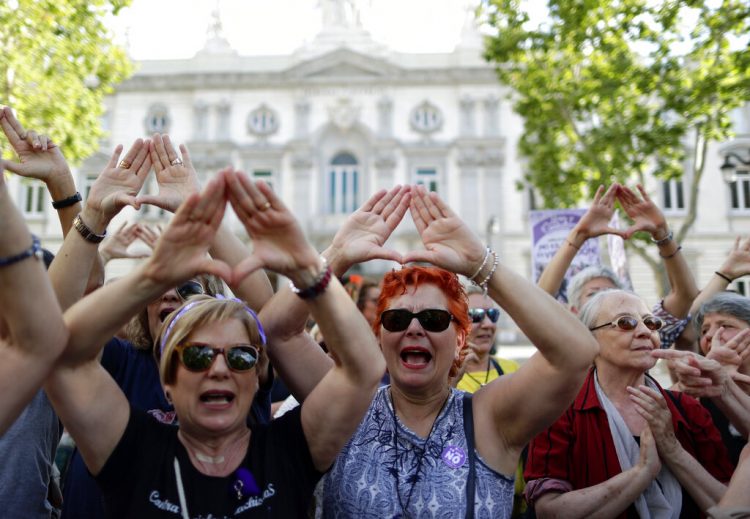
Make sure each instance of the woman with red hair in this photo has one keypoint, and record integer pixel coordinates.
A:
(424, 448)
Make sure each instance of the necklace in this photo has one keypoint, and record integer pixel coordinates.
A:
(413, 477)
(486, 375)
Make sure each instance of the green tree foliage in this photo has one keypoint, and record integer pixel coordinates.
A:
(611, 90)
(56, 65)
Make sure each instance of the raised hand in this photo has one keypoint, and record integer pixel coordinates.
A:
(120, 182)
(737, 263)
(278, 241)
(182, 250)
(39, 157)
(176, 176)
(643, 211)
(362, 236)
(697, 376)
(448, 241)
(115, 245)
(148, 235)
(651, 406)
(595, 222)
(733, 352)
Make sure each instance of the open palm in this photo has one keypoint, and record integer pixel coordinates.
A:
(39, 157)
(364, 233)
(176, 176)
(449, 243)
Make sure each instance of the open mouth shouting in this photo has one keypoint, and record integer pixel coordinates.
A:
(415, 357)
(164, 313)
(217, 399)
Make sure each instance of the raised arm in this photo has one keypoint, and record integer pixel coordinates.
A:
(299, 360)
(334, 408)
(40, 158)
(115, 187)
(512, 409)
(178, 179)
(595, 222)
(736, 265)
(91, 405)
(649, 218)
(32, 332)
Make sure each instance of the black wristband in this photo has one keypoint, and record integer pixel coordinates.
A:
(667, 256)
(723, 276)
(67, 202)
(35, 250)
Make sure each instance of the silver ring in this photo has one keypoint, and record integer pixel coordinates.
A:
(176, 161)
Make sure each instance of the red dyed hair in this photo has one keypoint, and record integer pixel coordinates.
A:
(397, 282)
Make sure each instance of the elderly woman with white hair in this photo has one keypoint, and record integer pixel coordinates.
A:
(213, 464)
(626, 447)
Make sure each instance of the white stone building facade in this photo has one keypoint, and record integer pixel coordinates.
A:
(342, 117)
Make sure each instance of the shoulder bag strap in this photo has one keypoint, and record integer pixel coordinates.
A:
(469, 433)
(497, 367)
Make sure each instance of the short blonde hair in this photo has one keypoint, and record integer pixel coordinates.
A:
(197, 312)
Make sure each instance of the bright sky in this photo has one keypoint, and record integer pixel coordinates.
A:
(158, 29)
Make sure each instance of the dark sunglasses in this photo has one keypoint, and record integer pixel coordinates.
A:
(628, 323)
(200, 357)
(477, 314)
(189, 289)
(432, 319)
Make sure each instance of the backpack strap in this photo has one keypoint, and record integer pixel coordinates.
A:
(469, 433)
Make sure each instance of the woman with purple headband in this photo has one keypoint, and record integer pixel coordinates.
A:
(213, 464)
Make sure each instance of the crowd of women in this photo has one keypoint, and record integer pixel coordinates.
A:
(162, 377)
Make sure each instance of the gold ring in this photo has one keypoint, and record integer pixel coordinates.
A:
(124, 164)
(176, 161)
(265, 206)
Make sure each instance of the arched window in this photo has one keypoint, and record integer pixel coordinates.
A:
(157, 119)
(343, 184)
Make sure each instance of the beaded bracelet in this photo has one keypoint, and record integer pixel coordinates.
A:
(484, 262)
(723, 276)
(486, 281)
(67, 202)
(35, 250)
(318, 286)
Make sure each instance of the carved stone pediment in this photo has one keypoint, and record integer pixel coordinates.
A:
(343, 63)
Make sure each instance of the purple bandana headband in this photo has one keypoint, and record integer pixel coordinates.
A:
(190, 305)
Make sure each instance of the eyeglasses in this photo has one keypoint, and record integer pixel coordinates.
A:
(628, 323)
(432, 319)
(200, 357)
(477, 314)
(189, 289)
